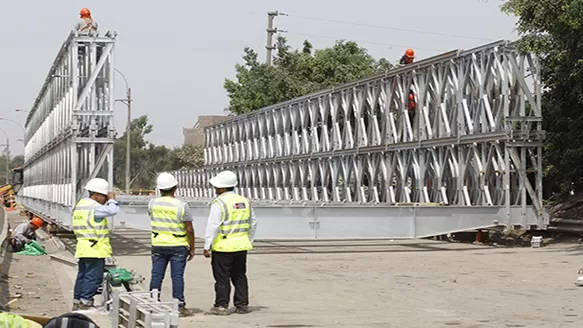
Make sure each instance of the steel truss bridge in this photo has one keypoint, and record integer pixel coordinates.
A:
(348, 162)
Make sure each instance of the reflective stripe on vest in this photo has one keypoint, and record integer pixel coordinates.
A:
(166, 217)
(92, 236)
(233, 234)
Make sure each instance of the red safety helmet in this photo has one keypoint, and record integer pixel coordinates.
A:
(85, 12)
(37, 222)
(410, 53)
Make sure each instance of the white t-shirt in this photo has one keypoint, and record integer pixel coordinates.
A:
(86, 26)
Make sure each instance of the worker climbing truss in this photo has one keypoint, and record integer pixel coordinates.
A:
(473, 141)
(69, 130)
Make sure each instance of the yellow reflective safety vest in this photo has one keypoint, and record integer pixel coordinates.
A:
(166, 216)
(233, 234)
(92, 237)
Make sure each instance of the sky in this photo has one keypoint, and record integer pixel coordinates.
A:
(177, 54)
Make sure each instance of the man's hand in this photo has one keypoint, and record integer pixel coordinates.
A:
(207, 253)
(190, 254)
(110, 195)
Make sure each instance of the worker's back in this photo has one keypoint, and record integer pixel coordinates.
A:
(86, 26)
(22, 231)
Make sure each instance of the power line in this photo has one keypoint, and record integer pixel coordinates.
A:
(363, 41)
(387, 27)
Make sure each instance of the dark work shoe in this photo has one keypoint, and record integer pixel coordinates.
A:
(184, 312)
(220, 310)
(242, 310)
(85, 307)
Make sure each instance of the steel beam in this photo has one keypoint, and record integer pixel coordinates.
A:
(474, 140)
(69, 131)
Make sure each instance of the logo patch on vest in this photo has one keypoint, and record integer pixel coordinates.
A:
(239, 206)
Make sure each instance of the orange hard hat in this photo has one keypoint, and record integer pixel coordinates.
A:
(85, 12)
(37, 222)
(410, 53)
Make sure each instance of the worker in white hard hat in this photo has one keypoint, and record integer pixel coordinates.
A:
(93, 247)
(172, 238)
(229, 235)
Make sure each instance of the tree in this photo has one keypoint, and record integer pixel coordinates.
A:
(17, 161)
(553, 29)
(296, 73)
(147, 159)
(189, 157)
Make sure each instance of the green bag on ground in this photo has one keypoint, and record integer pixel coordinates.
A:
(33, 249)
(119, 276)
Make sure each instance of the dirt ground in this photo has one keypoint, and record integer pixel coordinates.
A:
(31, 281)
(382, 283)
(400, 284)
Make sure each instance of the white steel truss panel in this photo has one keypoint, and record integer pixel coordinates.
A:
(69, 130)
(474, 140)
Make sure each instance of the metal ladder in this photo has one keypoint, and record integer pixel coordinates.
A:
(142, 309)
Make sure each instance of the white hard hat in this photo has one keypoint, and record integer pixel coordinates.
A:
(166, 181)
(98, 185)
(225, 179)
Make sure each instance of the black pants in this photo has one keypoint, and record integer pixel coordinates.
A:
(17, 244)
(227, 268)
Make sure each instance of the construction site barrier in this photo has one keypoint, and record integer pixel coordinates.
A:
(11, 203)
(143, 192)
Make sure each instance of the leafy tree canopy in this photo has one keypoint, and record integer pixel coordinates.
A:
(553, 29)
(147, 159)
(296, 73)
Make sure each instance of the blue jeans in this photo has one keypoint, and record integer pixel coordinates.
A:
(89, 278)
(177, 256)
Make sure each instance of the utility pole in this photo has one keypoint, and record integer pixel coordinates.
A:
(7, 160)
(128, 133)
(270, 32)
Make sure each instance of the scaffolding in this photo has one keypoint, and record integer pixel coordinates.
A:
(69, 130)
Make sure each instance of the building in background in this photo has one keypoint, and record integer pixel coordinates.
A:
(195, 136)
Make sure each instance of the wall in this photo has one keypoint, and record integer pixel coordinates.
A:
(195, 136)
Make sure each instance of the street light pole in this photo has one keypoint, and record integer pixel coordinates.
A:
(128, 133)
(7, 159)
(128, 103)
(9, 120)
(7, 152)
(7, 144)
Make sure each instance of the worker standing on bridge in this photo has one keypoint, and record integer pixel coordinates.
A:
(93, 247)
(408, 57)
(229, 234)
(172, 238)
(86, 24)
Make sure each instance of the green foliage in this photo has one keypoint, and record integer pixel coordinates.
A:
(148, 159)
(553, 29)
(16, 161)
(296, 73)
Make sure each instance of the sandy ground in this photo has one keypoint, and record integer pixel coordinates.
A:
(395, 284)
(30, 279)
(401, 284)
